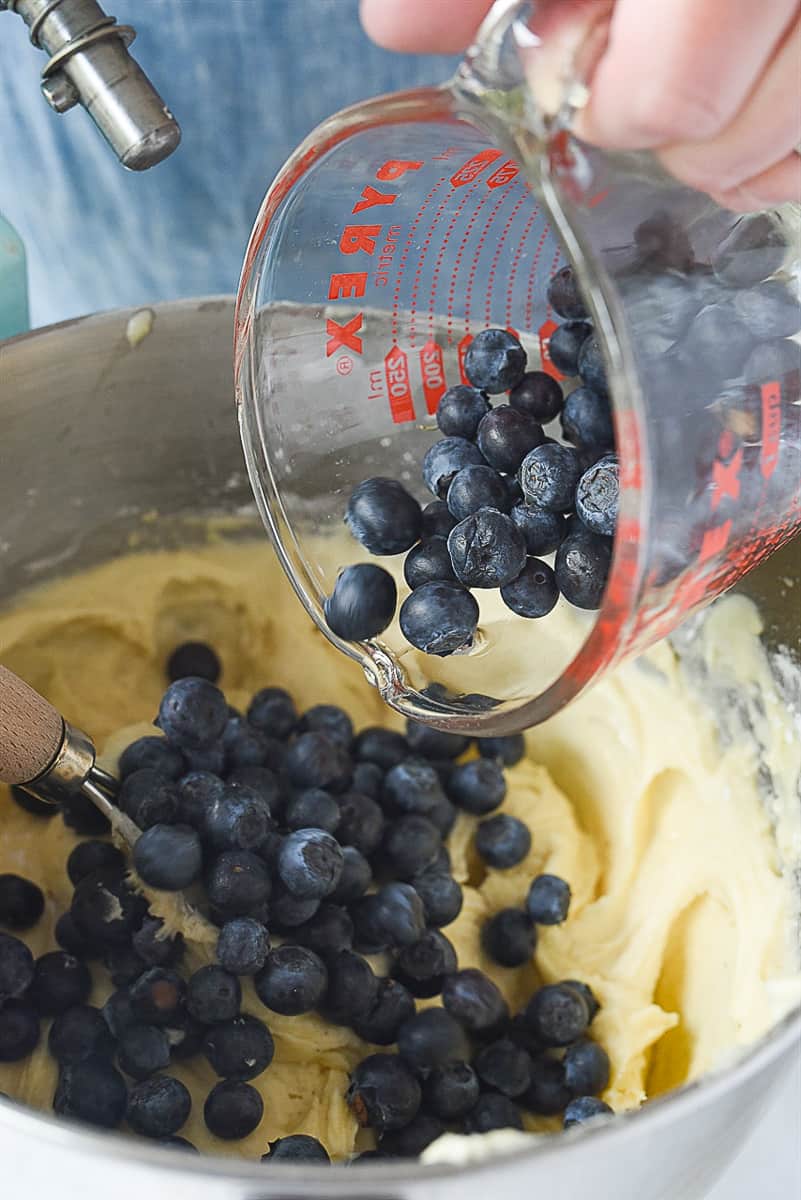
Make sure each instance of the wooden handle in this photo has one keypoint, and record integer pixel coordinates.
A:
(30, 730)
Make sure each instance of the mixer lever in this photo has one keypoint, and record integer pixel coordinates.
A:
(89, 64)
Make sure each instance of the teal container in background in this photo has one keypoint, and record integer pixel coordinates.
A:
(13, 282)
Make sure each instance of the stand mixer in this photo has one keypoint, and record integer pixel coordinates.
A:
(89, 64)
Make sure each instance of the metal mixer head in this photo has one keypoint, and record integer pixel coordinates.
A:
(89, 64)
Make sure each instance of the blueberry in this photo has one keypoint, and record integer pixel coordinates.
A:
(154, 947)
(437, 522)
(198, 791)
(193, 658)
(396, 912)
(598, 495)
(383, 516)
(769, 310)
(352, 989)
(451, 1091)
(441, 896)
(242, 946)
(213, 994)
(70, 938)
(186, 1037)
(493, 1111)
(558, 1014)
(273, 710)
(244, 744)
(432, 1038)
(428, 562)
(593, 1007)
(412, 1140)
(474, 488)
(90, 856)
(505, 437)
(393, 1005)
(423, 965)
(193, 713)
(92, 1091)
(549, 476)
(439, 617)
(168, 857)
(82, 815)
(478, 786)
(362, 603)
(582, 568)
(778, 359)
(232, 1110)
(587, 420)
(547, 1094)
(564, 345)
(412, 786)
(383, 1093)
(237, 883)
(123, 965)
(327, 932)
(267, 782)
(21, 902)
(475, 1001)
(542, 531)
(663, 243)
(584, 1109)
(495, 361)
(504, 1067)
(207, 758)
(239, 819)
(314, 760)
(178, 1143)
(443, 461)
(586, 1068)
(60, 981)
(503, 841)
(292, 981)
(509, 938)
(411, 844)
(149, 798)
(19, 1030)
(384, 747)
(152, 752)
(538, 395)
(564, 295)
(288, 911)
(368, 778)
(158, 1107)
(460, 410)
(755, 248)
(157, 997)
(487, 550)
(240, 1048)
(310, 863)
(106, 910)
(329, 719)
(45, 808)
(434, 743)
(356, 874)
(118, 1012)
(143, 1050)
(534, 592)
(548, 900)
(298, 1147)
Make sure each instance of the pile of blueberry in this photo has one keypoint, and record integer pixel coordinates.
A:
(505, 495)
(309, 846)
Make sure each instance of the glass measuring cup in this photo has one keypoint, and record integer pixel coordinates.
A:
(405, 225)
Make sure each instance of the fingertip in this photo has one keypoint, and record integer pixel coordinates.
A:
(423, 26)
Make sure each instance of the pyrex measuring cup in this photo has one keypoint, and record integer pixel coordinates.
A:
(407, 224)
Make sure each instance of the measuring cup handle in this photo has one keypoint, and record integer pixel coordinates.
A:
(31, 730)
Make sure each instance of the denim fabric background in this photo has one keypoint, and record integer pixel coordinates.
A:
(247, 80)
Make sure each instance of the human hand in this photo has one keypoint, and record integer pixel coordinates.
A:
(712, 86)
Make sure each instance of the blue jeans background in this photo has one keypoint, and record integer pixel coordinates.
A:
(246, 79)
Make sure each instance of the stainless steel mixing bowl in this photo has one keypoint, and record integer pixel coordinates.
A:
(97, 431)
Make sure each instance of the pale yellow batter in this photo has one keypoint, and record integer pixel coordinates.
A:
(682, 914)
